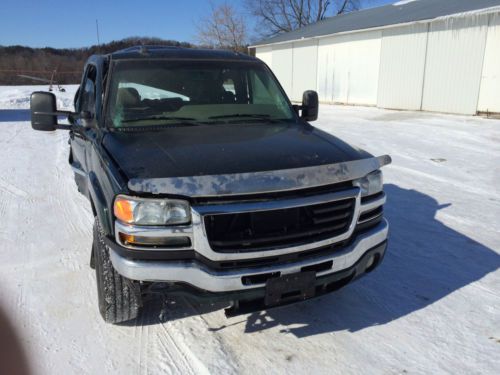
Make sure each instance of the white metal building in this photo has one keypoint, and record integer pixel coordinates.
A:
(431, 55)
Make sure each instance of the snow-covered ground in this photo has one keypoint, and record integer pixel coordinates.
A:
(432, 307)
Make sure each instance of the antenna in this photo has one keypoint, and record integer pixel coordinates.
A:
(97, 30)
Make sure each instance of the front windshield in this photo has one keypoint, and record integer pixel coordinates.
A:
(153, 92)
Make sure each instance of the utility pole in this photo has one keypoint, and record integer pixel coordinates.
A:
(97, 30)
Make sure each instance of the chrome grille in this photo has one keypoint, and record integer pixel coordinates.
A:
(271, 229)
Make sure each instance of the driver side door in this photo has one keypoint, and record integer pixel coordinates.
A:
(80, 137)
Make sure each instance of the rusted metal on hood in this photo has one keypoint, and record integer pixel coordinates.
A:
(259, 182)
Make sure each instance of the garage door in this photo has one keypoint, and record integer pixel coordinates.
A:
(489, 95)
(454, 62)
(402, 62)
(348, 67)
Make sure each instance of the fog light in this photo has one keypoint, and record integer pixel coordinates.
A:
(170, 242)
(371, 263)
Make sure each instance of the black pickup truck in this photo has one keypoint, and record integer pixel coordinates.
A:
(204, 180)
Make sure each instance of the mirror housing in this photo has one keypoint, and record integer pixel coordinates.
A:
(87, 118)
(43, 111)
(310, 105)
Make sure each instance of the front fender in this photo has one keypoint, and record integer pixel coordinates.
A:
(100, 204)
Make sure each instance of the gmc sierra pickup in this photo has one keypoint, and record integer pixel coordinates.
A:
(204, 180)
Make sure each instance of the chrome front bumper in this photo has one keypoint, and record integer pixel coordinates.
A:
(199, 276)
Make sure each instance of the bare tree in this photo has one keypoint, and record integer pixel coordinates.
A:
(281, 16)
(223, 28)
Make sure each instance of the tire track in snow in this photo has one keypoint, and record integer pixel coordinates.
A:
(12, 189)
(172, 365)
(181, 354)
(185, 325)
(218, 346)
(158, 350)
(12, 137)
(3, 206)
(143, 348)
(12, 199)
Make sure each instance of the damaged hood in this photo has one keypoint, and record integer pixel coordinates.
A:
(163, 162)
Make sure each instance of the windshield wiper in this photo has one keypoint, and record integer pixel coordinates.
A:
(263, 116)
(159, 117)
(244, 117)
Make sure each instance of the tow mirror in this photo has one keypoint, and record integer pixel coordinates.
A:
(310, 105)
(44, 112)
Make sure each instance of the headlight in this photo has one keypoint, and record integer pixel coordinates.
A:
(371, 184)
(143, 211)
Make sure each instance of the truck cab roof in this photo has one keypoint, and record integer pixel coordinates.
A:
(172, 52)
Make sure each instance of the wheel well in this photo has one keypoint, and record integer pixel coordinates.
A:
(92, 251)
(94, 211)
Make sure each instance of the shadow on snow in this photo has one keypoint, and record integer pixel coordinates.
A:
(425, 262)
(14, 115)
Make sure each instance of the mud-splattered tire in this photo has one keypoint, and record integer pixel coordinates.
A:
(119, 298)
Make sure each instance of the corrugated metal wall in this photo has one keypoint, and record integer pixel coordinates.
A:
(282, 65)
(448, 66)
(364, 65)
(402, 65)
(325, 70)
(305, 55)
(348, 68)
(265, 54)
(489, 94)
(455, 52)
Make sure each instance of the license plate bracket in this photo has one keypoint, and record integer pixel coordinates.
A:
(289, 288)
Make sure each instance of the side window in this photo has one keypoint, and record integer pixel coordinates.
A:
(229, 85)
(76, 103)
(261, 93)
(88, 93)
(265, 91)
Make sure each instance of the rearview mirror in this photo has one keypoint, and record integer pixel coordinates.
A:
(310, 105)
(43, 111)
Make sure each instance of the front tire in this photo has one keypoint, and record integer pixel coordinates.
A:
(119, 298)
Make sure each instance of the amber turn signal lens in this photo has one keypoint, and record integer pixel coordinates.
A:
(124, 210)
(127, 238)
(166, 242)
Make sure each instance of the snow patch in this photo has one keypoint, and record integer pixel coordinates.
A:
(18, 97)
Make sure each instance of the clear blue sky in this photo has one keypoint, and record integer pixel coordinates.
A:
(71, 23)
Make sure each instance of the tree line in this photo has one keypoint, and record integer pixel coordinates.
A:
(225, 26)
(68, 62)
